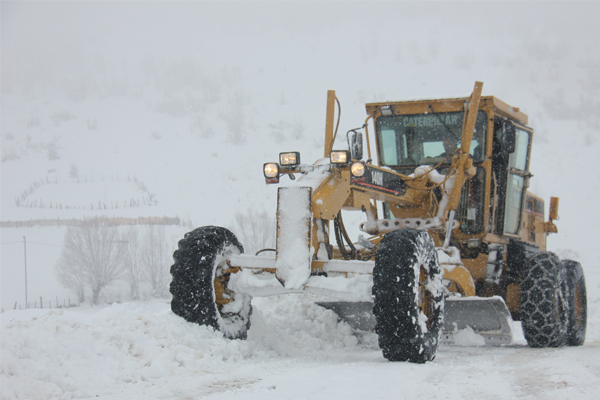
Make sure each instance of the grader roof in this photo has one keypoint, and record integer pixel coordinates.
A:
(447, 105)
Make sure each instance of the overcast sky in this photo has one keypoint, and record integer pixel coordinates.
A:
(64, 38)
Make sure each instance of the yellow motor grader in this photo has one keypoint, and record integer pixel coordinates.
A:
(453, 239)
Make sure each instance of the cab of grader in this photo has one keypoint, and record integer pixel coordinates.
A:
(454, 239)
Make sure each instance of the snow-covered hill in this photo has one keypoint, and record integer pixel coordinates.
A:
(170, 109)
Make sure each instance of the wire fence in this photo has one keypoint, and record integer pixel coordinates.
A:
(44, 304)
(102, 220)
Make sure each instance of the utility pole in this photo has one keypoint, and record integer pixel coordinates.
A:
(25, 251)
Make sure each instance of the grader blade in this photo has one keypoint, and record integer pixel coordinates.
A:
(486, 316)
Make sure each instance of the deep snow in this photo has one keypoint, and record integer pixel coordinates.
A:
(181, 104)
(294, 350)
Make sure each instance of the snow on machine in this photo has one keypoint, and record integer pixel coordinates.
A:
(452, 240)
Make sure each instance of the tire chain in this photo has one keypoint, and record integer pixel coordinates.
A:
(543, 312)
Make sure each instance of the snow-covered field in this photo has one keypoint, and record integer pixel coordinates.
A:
(150, 109)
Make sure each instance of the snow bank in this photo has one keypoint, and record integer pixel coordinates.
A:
(63, 354)
(143, 348)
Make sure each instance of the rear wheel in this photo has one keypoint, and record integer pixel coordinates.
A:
(200, 278)
(576, 303)
(543, 302)
(408, 296)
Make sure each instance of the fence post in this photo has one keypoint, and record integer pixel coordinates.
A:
(25, 255)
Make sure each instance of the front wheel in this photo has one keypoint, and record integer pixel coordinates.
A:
(200, 278)
(408, 296)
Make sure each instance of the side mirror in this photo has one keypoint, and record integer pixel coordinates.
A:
(508, 138)
(355, 140)
(553, 208)
(549, 226)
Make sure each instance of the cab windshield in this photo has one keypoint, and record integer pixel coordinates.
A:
(412, 140)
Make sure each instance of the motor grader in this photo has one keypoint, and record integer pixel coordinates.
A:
(453, 240)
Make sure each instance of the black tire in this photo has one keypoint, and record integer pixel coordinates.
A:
(408, 296)
(198, 269)
(543, 304)
(576, 303)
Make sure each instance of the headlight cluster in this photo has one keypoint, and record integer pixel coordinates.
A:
(273, 170)
(291, 159)
(343, 157)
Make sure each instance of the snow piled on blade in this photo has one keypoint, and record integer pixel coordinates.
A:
(468, 337)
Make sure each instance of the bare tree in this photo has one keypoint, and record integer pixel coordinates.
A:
(132, 261)
(71, 276)
(156, 254)
(255, 230)
(95, 252)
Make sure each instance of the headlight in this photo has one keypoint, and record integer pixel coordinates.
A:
(289, 158)
(271, 170)
(339, 157)
(386, 110)
(357, 169)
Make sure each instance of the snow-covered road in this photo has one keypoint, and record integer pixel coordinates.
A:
(295, 350)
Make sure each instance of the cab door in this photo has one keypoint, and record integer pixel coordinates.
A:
(517, 182)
